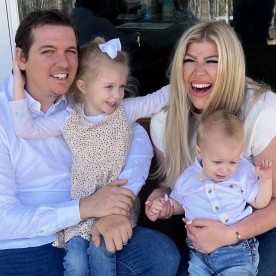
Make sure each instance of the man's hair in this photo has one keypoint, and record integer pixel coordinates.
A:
(24, 36)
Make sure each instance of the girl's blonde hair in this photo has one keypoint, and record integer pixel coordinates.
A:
(91, 59)
(228, 92)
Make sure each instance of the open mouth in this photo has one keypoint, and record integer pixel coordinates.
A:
(60, 76)
(201, 87)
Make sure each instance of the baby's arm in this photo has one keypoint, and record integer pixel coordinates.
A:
(264, 172)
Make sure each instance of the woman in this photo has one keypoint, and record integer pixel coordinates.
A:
(208, 73)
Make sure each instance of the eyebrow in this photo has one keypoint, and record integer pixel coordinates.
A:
(194, 57)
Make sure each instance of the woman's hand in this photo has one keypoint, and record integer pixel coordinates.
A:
(209, 235)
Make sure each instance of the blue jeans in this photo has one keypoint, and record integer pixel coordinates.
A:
(32, 261)
(267, 251)
(83, 258)
(239, 259)
(148, 252)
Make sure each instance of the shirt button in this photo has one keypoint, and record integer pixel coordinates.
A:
(41, 232)
(210, 191)
(226, 220)
(231, 186)
(217, 208)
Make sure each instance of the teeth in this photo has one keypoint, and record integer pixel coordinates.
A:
(60, 76)
(200, 85)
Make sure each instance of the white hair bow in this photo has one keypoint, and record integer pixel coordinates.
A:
(111, 47)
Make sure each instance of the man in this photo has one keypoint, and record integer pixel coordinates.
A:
(34, 174)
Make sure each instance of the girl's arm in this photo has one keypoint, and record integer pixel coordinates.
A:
(264, 172)
(139, 107)
(18, 82)
(24, 125)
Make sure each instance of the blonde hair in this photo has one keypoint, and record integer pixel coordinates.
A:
(225, 122)
(228, 92)
(90, 60)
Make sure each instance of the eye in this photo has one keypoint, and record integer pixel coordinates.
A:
(72, 51)
(47, 52)
(232, 162)
(110, 86)
(217, 162)
(188, 60)
(212, 61)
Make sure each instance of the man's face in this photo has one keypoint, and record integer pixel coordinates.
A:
(52, 63)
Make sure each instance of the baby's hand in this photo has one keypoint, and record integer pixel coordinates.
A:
(264, 169)
(157, 206)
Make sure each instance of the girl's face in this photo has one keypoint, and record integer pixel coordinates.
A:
(105, 92)
(200, 71)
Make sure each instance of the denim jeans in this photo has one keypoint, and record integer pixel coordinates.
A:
(267, 251)
(148, 252)
(33, 261)
(240, 259)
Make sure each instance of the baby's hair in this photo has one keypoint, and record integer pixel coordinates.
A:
(90, 60)
(227, 123)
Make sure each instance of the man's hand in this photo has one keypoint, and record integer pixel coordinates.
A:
(108, 200)
(116, 231)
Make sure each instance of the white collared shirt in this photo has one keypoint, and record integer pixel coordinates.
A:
(225, 201)
(35, 199)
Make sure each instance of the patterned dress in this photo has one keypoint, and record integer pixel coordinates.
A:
(99, 152)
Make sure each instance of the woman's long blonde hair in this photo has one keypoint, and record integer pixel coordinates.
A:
(228, 92)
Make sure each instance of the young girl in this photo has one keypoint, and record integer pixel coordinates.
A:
(97, 130)
(217, 187)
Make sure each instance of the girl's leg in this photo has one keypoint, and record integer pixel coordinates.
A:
(101, 261)
(76, 259)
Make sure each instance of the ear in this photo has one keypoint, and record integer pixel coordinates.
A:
(81, 86)
(20, 58)
(198, 151)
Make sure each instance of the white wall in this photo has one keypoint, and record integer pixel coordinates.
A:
(9, 21)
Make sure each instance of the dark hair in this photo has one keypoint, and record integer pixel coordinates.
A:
(24, 36)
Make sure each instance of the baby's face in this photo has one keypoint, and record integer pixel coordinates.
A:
(220, 157)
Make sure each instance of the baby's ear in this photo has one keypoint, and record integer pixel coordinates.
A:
(81, 86)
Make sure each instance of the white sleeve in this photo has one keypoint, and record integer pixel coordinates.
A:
(157, 129)
(260, 125)
(36, 128)
(139, 107)
(19, 221)
(138, 161)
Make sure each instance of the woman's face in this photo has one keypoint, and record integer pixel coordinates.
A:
(200, 71)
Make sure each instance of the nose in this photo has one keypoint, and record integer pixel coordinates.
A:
(62, 60)
(199, 68)
(224, 169)
(117, 94)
